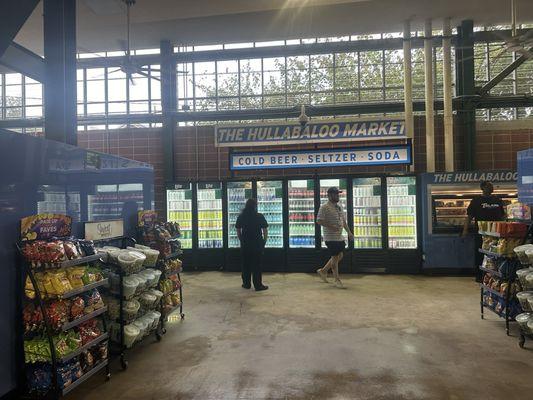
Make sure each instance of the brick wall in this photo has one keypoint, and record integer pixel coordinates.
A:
(497, 143)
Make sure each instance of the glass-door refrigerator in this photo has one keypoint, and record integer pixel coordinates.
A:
(270, 204)
(369, 255)
(302, 253)
(209, 226)
(401, 211)
(403, 252)
(236, 195)
(341, 184)
(325, 184)
(179, 209)
(209, 211)
(367, 212)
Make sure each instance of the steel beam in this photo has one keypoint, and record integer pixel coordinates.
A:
(503, 74)
(19, 59)
(60, 61)
(169, 104)
(465, 90)
(14, 14)
(316, 111)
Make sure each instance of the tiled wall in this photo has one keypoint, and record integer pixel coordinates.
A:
(197, 158)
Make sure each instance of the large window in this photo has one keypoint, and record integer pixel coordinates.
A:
(20, 97)
(269, 81)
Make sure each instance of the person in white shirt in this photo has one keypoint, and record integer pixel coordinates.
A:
(333, 220)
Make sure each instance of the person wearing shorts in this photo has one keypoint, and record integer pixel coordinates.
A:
(332, 219)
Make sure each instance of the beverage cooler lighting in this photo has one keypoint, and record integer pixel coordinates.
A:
(341, 185)
(301, 213)
(209, 216)
(367, 213)
(401, 202)
(238, 193)
(179, 209)
(270, 204)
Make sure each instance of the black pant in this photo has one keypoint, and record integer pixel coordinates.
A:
(478, 257)
(251, 265)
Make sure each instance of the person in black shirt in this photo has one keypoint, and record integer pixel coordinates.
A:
(486, 207)
(252, 230)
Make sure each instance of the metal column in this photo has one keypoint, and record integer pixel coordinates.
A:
(169, 107)
(430, 117)
(447, 83)
(408, 85)
(60, 70)
(465, 88)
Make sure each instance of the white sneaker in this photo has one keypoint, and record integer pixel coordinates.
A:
(339, 285)
(323, 275)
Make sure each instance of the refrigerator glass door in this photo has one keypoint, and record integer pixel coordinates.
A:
(401, 211)
(179, 209)
(238, 193)
(270, 204)
(104, 204)
(325, 184)
(301, 213)
(210, 215)
(367, 213)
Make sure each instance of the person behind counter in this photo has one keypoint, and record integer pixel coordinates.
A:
(485, 207)
(252, 230)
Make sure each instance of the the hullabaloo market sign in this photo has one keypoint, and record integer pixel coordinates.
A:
(313, 132)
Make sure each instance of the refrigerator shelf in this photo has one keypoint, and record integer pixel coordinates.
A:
(364, 225)
(366, 236)
(300, 223)
(302, 199)
(210, 229)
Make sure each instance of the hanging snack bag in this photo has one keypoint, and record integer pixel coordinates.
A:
(76, 277)
(71, 250)
(77, 308)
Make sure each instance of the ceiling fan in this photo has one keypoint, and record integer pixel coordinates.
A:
(521, 44)
(128, 66)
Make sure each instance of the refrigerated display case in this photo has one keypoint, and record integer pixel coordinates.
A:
(450, 204)
(301, 197)
(210, 221)
(108, 201)
(270, 204)
(58, 199)
(444, 202)
(367, 225)
(401, 212)
(237, 194)
(179, 209)
(325, 184)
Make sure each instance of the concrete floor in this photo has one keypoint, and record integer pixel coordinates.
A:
(384, 337)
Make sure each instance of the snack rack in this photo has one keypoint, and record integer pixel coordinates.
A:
(525, 333)
(164, 237)
(120, 348)
(165, 274)
(36, 363)
(501, 302)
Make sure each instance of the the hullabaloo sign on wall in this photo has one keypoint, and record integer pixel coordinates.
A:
(313, 132)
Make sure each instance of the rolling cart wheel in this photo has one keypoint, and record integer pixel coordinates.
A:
(108, 376)
(123, 363)
(158, 336)
(522, 341)
(182, 316)
(164, 331)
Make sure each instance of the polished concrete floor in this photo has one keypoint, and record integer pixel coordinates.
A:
(383, 337)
